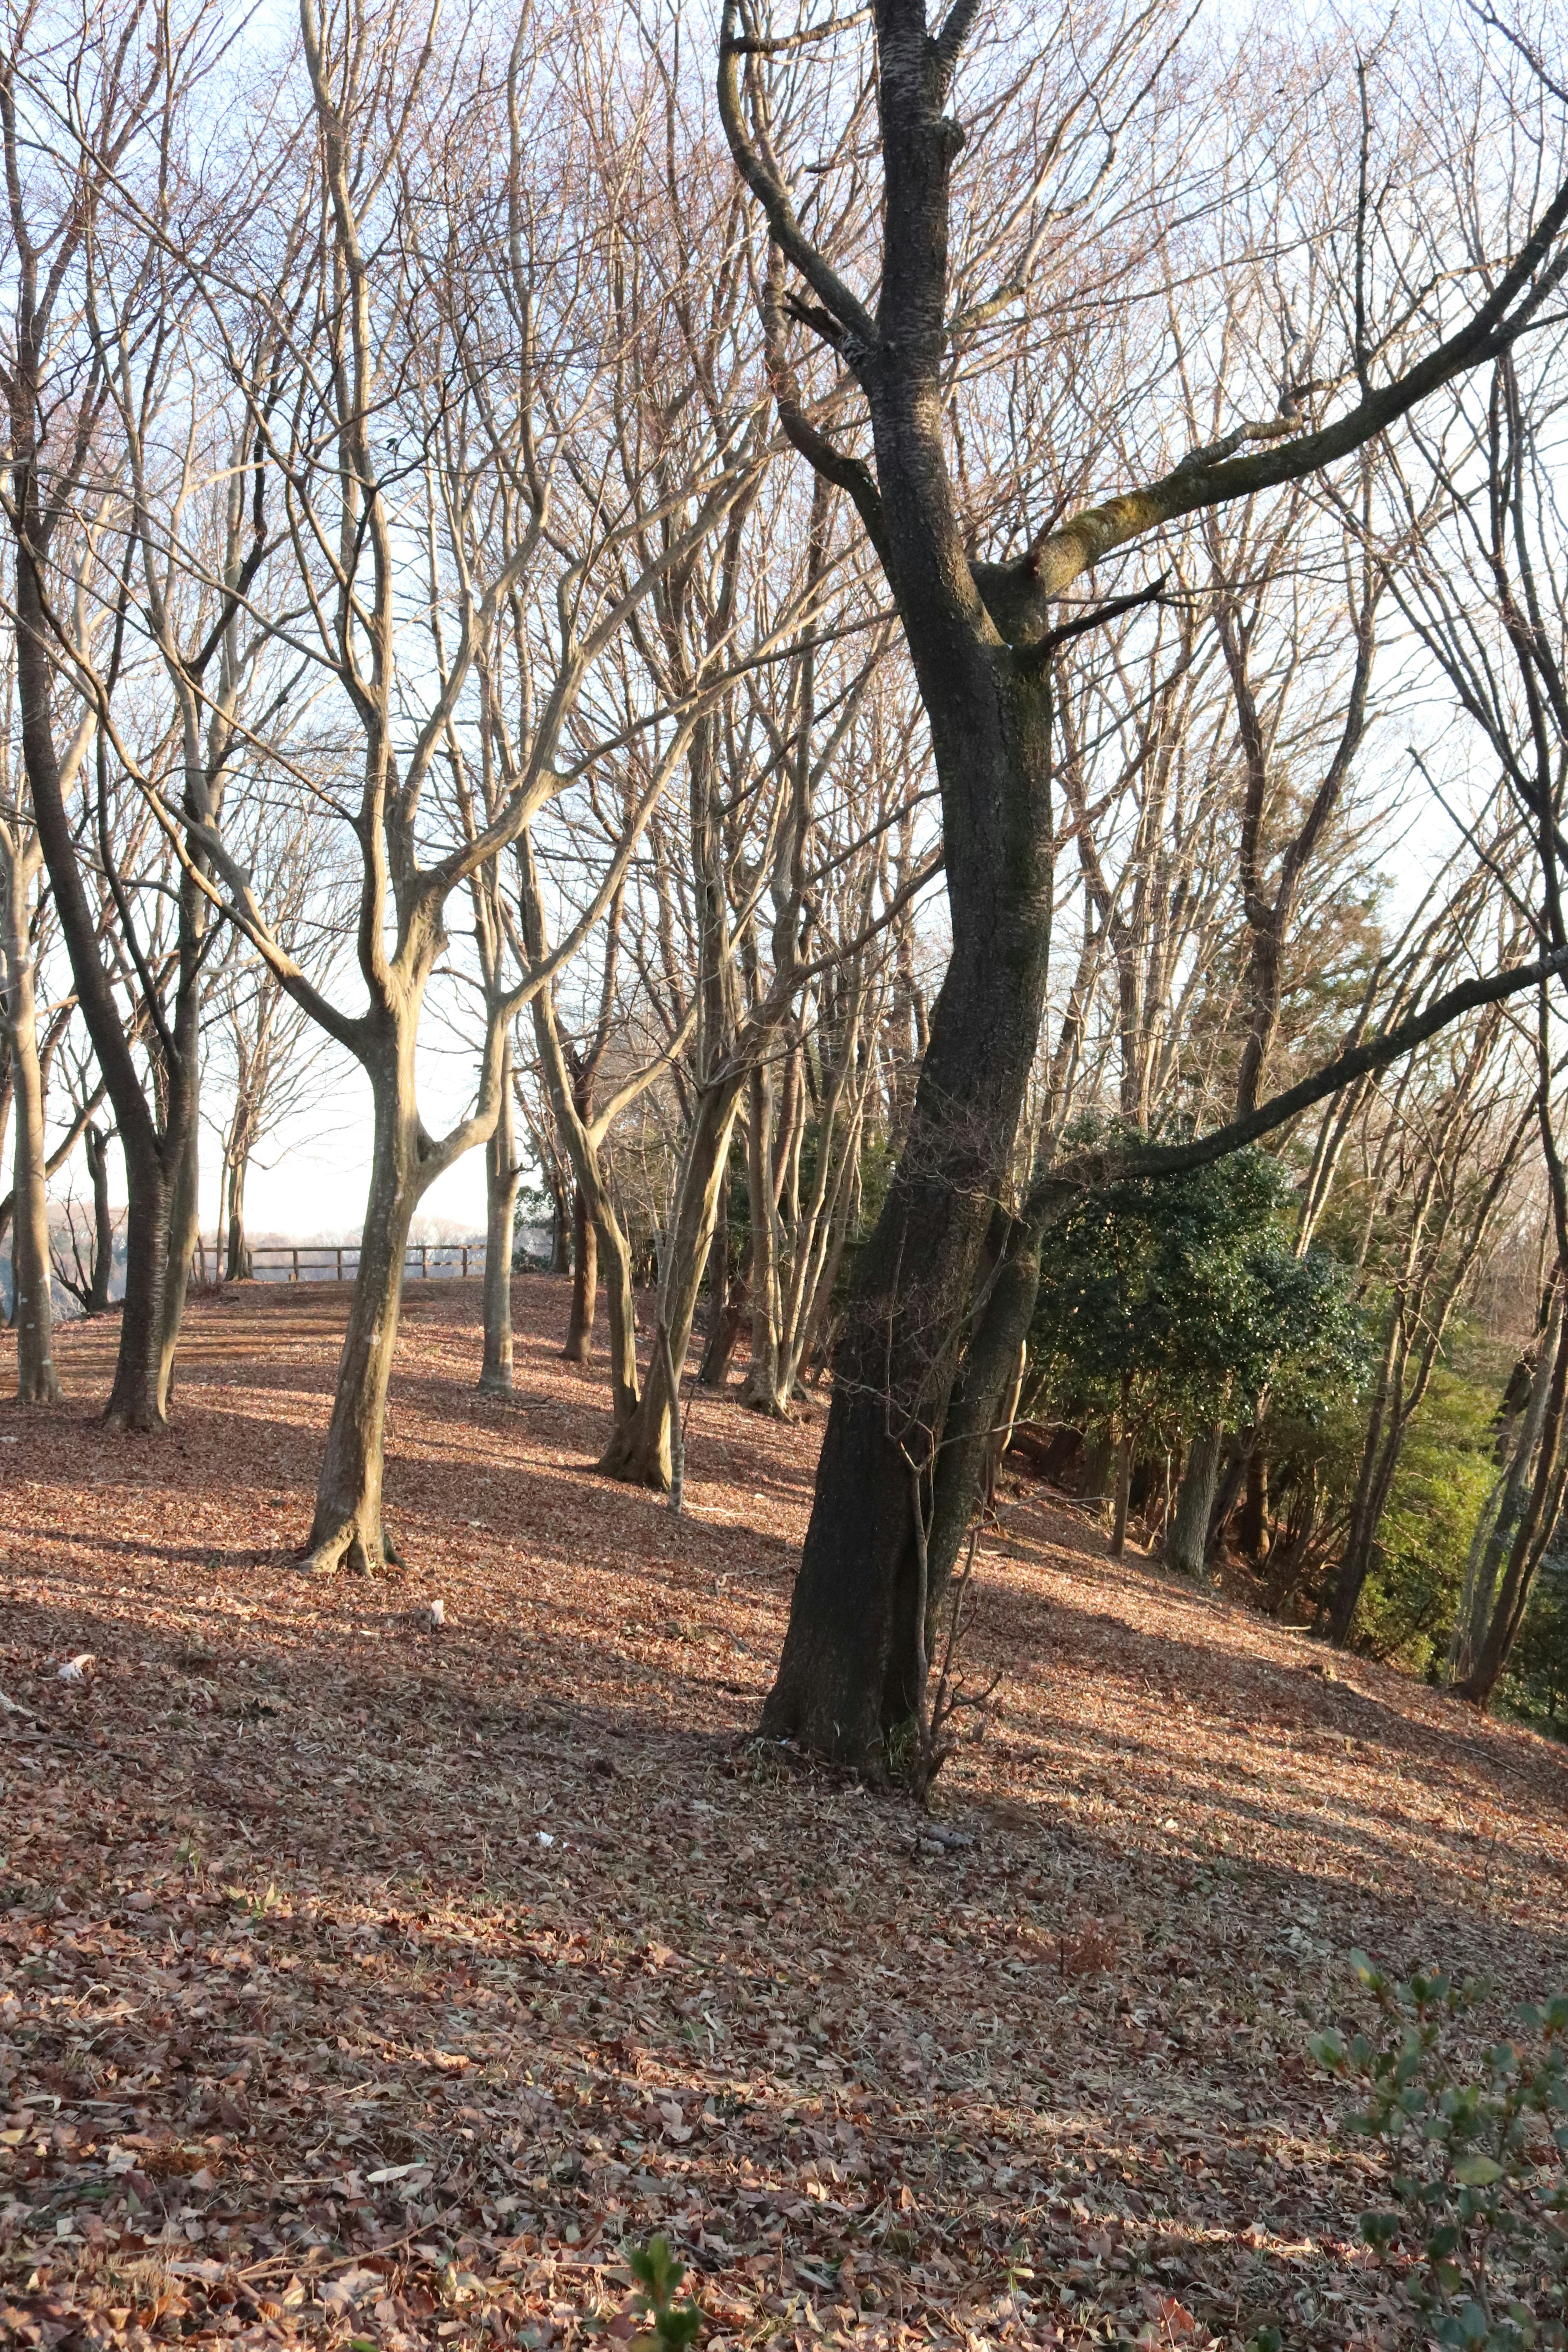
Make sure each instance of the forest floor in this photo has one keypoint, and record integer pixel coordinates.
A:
(368, 1984)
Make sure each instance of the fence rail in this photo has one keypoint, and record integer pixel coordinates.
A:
(339, 1261)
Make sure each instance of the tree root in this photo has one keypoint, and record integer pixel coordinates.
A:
(344, 1546)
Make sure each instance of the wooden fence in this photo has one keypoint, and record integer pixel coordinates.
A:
(339, 1261)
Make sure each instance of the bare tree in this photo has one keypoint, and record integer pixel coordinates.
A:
(981, 635)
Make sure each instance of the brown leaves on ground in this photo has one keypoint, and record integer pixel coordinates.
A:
(368, 1983)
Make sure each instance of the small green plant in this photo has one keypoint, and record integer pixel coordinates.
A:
(659, 2275)
(1475, 2154)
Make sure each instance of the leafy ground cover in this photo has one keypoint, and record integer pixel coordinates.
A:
(365, 1981)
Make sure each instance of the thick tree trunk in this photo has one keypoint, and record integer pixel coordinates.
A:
(349, 1528)
(638, 1450)
(848, 1672)
(579, 1348)
(37, 1381)
(135, 1401)
(1186, 1543)
(96, 1300)
(501, 1177)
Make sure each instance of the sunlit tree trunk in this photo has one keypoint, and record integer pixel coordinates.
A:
(349, 1528)
(31, 1274)
(501, 1178)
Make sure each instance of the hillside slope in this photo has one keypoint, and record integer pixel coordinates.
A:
(364, 1981)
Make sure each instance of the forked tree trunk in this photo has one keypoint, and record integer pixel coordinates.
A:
(1187, 1542)
(37, 1381)
(638, 1450)
(501, 1177)
(579, 1348)
(348, 1527)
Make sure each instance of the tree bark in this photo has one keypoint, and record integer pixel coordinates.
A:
(638, 1450)
(726, 1306)
(1532, 1535)
(348, 1527)
(184, 1213)
(847, 1676)
(502, 1175)
(37, 1381)
(96, 1300)
(1186, 1545)
(1123, 1493)
(134, 1399)
(579, 1348)
(238, 1265)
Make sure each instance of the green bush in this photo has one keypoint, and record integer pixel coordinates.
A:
(1446, 1472)
(1475, 2153)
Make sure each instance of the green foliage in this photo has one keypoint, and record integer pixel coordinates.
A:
(1445, 1474)
(1183, 1294)
(1537, 1684)
(659, 2275)
(1475, 2158)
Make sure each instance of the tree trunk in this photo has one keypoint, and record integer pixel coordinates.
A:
(96, 1300)
(185, 1215)
(848, 1670)
(1532, 1535)
(501, 1178)
(1498, 1524)
(31, 1272)
(638, 1450)
(1253, 1529)
(726, 1306)
(1123, 1493)
(237, 1265)
(579, 1348)
(760, 1390)
(1186, 1544)
(349, 1529)
(1355, 1562)
(135, 1401)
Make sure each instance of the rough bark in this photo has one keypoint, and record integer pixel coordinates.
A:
(1186, 1542)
